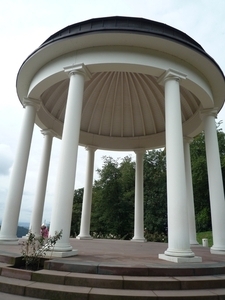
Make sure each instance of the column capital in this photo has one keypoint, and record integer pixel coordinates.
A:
(90, 148)
(49, 132)
(171, 74)
(188, 139)
(80, 69)
(209, 112)
(32, 102)
(140, 150)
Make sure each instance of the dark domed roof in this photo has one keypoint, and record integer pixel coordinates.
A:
(123, 105)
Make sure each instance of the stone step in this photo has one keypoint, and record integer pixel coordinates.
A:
(10, 258)
(49, 284)
(4, 296)
(132, 269)
(42, 290)
(130, 282)
(117, 281)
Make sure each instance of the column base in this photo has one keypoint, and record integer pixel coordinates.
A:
(10, 241)
(51, 254)
(217, 250)
(179, 253)
(84, 237)
(62, 247)
(176, 259)
(139, 240)
(194, 242)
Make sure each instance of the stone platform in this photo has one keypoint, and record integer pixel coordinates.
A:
(114, 269)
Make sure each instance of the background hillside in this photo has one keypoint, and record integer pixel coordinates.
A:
(21, 231)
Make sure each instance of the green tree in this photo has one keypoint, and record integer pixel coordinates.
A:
(127, 182)
(106, 197)
(113, 200)
(221, 142)
(200, 178)
(113, 193)
(155, 195)
(76, 212)
(200, 183)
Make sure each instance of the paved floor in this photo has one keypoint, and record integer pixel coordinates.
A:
(123, 252)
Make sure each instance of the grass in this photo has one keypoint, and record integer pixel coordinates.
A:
(205, 235)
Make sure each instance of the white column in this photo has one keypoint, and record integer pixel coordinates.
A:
(190, 197)
(87, 198)
(216, 190)
(178, 231)
(37, 212)
(139, 201)
(63, 202)
(13, 202)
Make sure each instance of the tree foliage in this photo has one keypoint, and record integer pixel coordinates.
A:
(200, 178)
(114, 192)
(113, 198)
(200, 183)
(76, 212)
(155, 195)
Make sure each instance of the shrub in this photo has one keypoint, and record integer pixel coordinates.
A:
(155, 237)
(35, 248)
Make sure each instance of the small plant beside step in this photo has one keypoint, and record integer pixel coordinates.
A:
(35, 248)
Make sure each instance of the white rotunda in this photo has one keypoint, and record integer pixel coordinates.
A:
(120, 83)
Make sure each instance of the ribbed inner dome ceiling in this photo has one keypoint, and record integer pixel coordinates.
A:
(119, 104)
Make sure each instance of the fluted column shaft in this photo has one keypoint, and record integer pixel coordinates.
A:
(178, 231)
(139, 201)
(216, 190)
(37, 213)
(13, 202)
(63, 202)
(87, 198)
(190, 197)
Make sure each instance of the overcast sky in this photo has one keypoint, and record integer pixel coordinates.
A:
(25, 24)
